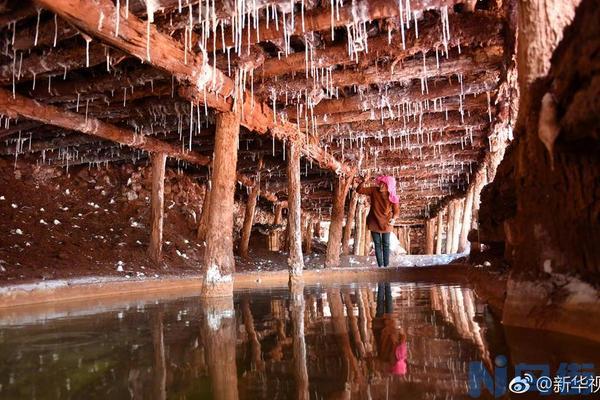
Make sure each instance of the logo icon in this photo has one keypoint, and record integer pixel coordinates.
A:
(520, 384)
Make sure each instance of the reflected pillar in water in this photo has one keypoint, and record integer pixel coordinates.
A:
(160, 365)
(340, 329)
(219, 339)
(299, 343)
(356, 337)
(255, 347)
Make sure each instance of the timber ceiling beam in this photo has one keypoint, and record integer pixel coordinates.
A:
(143, 40)
(326, 18)
(465, 31)
(470, 61)
(21, 106)
(411, 94)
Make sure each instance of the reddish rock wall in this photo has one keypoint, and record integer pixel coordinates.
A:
(545, 205)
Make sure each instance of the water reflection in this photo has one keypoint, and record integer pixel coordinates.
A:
(352, 342)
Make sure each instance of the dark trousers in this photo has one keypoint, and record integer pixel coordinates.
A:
(382, 248)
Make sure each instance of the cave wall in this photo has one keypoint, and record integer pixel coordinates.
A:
(544, 204)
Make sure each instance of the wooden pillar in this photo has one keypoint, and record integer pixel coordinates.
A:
(366, 241)
(275, 235)
(456, 225)
(218, 257)
(450, 225)
(429, 235)
(294, 227)
(358, 234)
(440, 232)
(317, 228)
(349, 223)
(249, 216)
(158, 201)
(203, 224)
(218, 333)
(334, 242)
(466, 221)
(308, 238)
(481, 181)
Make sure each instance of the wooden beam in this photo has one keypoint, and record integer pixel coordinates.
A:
(440, 91)
(472, 61)
(204, 84)
(27, 108)
(465, 30)
(69, 89)
(157, 204)
(430, 122)
(294, 229)
(54, 62)
(49, 32)
(470, 105)
(321, 19)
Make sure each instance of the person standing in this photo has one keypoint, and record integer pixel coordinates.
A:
(384, 210)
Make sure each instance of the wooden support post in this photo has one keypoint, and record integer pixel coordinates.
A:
(450, 225)
(358, 234)
(429, 235)
(456, 224)
(308, 239)
(203, 224)
(349, 223)
(294, 227)
(366, 239)
(466, 221)
(274, 236)
(318, 228)
(334, 242)
(440, 232)
(218, 258)
(158, 202)
(481, 181)
(249, 215)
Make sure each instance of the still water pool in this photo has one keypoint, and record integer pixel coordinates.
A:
(362, 341)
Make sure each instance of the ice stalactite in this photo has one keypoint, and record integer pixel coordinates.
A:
(117, 17)
(37, 26)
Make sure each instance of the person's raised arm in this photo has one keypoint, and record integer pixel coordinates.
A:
(361, 189)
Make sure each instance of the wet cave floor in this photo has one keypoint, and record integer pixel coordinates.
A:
(352, 341)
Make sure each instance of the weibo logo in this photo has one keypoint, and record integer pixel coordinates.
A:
(520, 384)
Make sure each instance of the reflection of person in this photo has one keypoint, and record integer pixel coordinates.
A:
(391, 344)
(384, 209)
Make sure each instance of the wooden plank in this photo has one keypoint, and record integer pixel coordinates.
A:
(21, 106)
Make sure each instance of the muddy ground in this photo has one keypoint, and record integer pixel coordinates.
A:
(94, 222)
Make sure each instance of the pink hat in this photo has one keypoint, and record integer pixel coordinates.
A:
(390, 182)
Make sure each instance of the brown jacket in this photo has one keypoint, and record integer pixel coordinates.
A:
(382, 209)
